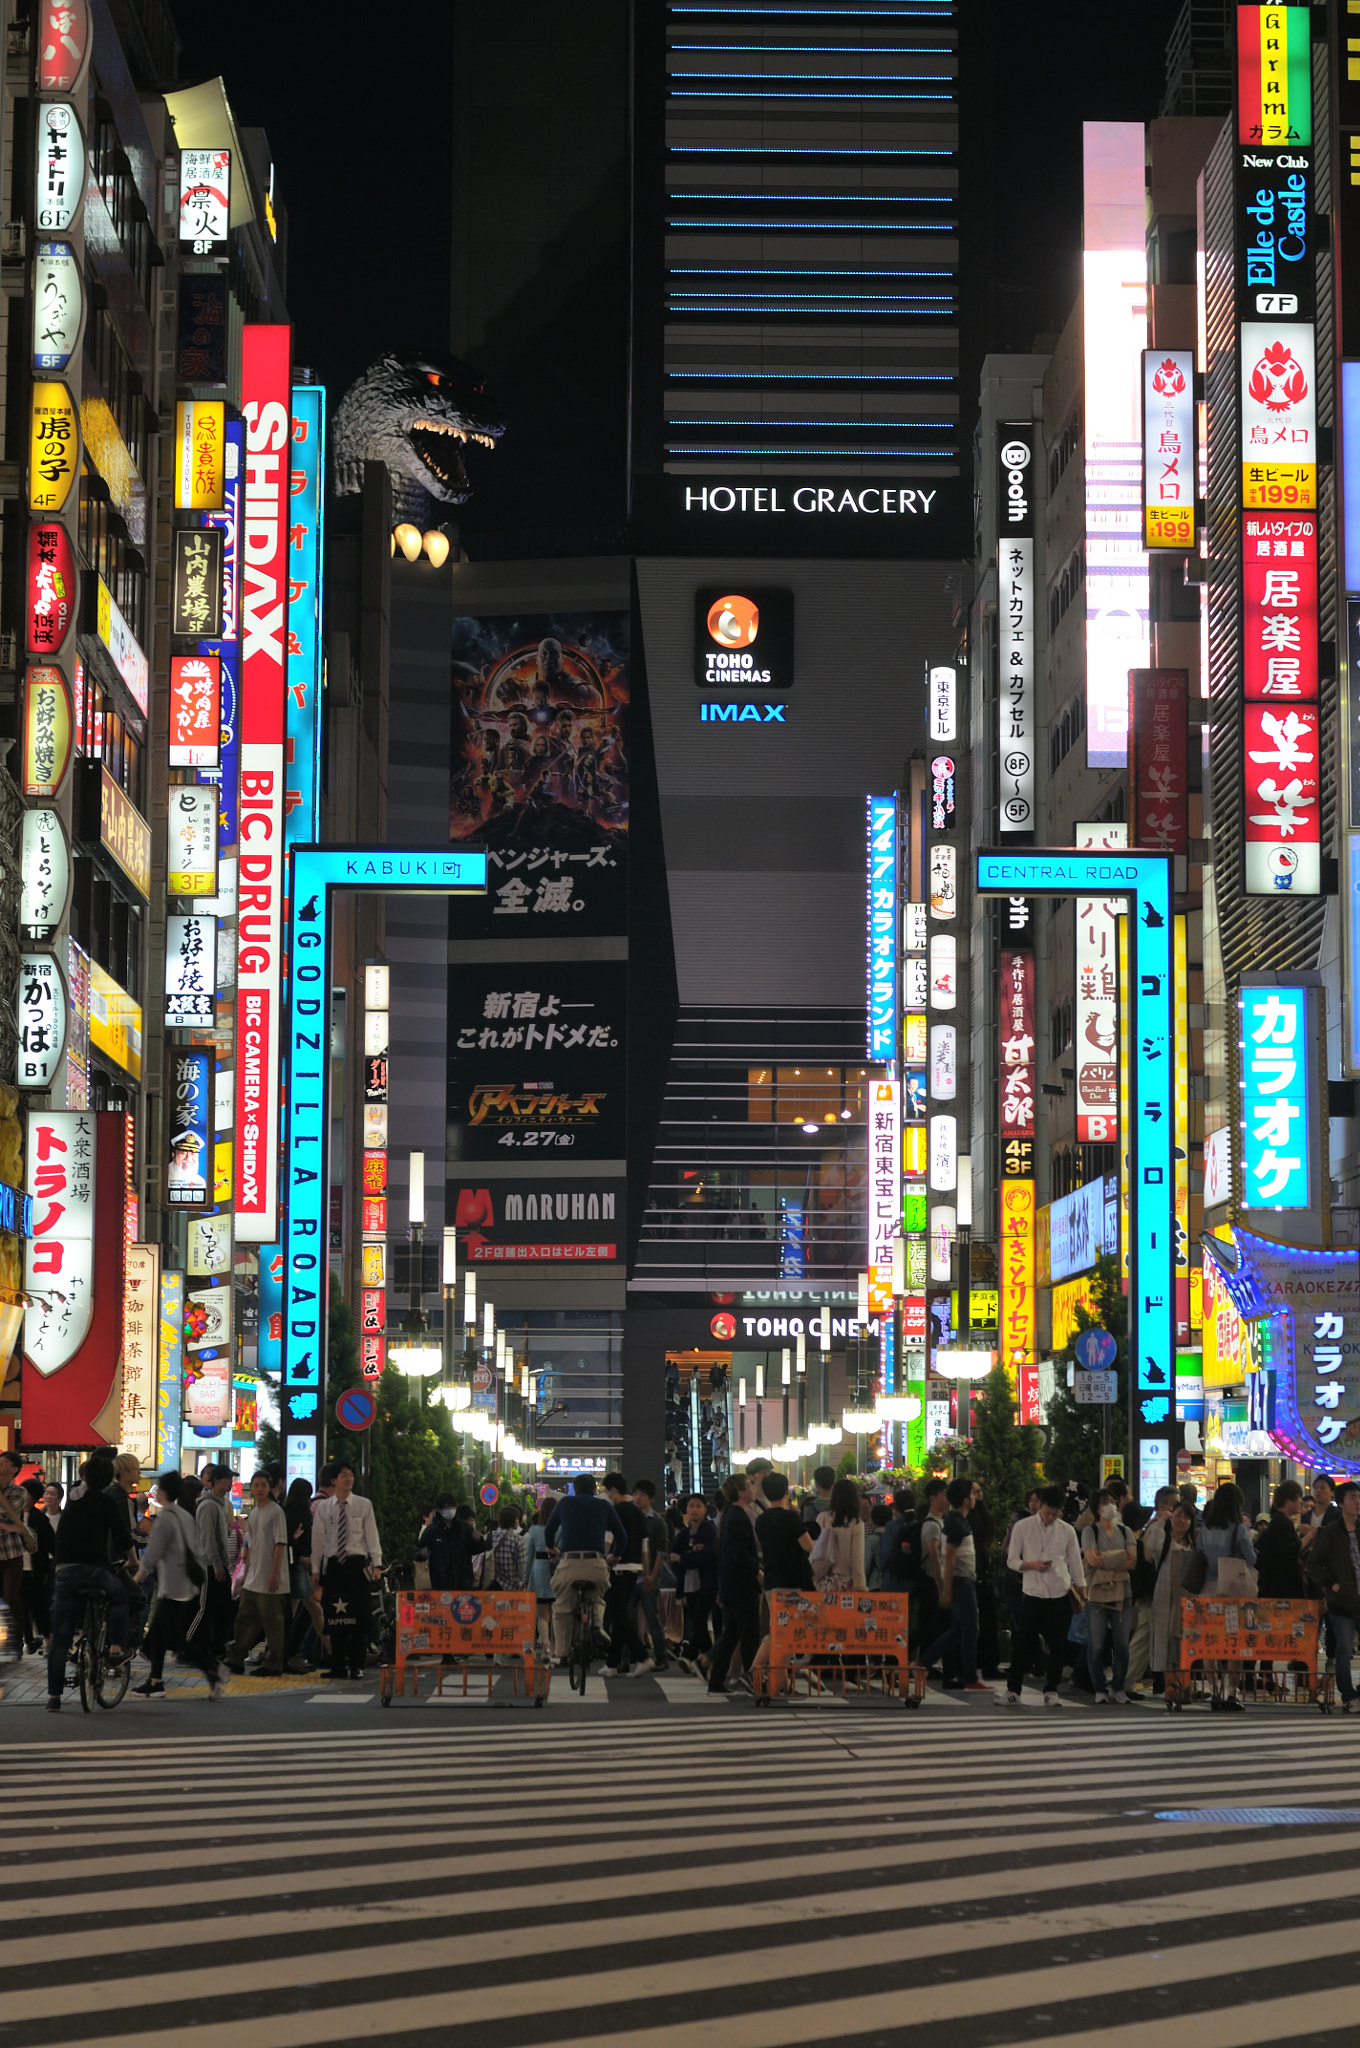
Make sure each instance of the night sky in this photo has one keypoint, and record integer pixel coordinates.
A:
(358, 107)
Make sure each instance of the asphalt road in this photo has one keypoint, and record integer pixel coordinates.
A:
(312, 1869)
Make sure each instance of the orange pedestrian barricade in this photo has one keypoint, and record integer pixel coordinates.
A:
(842, 1630)
(465, 1626)
(1229, 1635)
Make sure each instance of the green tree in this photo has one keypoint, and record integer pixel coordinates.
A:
(1075, 1430)
(1005, 1454)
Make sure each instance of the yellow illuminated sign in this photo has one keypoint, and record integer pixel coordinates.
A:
(1017, 1305)
(1067, 1297)
(115, 1022)
(200, 442)
(54, 447)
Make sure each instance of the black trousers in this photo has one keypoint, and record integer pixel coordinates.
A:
(741, 1625)
(347, 1604)
(618, 1619)
(177, 1625)
(1045, 1621)
(698, 1637)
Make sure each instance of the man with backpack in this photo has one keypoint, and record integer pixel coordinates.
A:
(1143, 1581)
(909, 1548)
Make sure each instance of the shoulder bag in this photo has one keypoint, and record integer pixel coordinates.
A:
(1195, 1570)
(28, 1537)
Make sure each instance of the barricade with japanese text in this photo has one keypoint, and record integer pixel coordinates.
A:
(1238, 1639)
(495, 1626)
(859, 1636)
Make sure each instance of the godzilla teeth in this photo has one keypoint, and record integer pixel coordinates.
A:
(458, 433)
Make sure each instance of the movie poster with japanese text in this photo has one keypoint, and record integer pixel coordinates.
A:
(537, 1061)
(539, 771)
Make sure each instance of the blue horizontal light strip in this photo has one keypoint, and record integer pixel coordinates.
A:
(835, 77)
(814, 376)
(789, 302)
(759, 270)
(807, 198)
(782, 95)
(835, 227)
(754, 449)
(908, 426)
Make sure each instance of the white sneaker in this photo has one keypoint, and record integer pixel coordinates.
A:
(647, 1664)
(1051, 1700)
(1121, 1699)
(1101, 1699)
(1008, 1699)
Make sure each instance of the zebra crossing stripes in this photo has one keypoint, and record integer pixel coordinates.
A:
(743, 1878)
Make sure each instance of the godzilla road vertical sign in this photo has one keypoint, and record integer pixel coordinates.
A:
(265, 406)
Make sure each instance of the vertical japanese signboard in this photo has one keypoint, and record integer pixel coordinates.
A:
(302, 782)
(59, 1257)
(141, 1332)
(1159, 789)
(265, 406)
(1169, 470)
(881, 926)
(1017, 1066)
(1017, 442)
(885, 1218)
(1095, 1026)
(1114, 311)
(1281, 716)
(1278, 1081)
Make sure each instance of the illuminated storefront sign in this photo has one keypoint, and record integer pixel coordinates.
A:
(944, 885)
(53, 588)
(1302, 1309)
(195, 710)
(1076, 1231)
(62, 32)
(191, 851)
(1276, 235)
(1145, 879)
(1282, 828)
(200, 439)
(1095, 1028)
(302, 782)
(881, 925)
(141, 1334)
(47, 731)
(44, 874)
(196, 583)
(169, 1370)
(943, 705)
(944, 1062)
(59, 1257)
(190, 972)
(944, 964)
(60, 166)
(1169, 469)
(943, 808)
(1017, 1075)
(58, 303)
(123, 646)
(204, 200)
(1159, 712)
(1278, 1078)
(316, 875)
(1114, 304)
(1016, 445)
(1017, 1324)
(1279, 414)
(265, 402)
(1279, 607)
(115, 1022)
(1067, 1297)
(42, 1022)
(884, 1176)
(54, 447)
(188, 1114)
(1274, 76)
(944, 1155)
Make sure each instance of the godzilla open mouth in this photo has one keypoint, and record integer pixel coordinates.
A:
(439, 447)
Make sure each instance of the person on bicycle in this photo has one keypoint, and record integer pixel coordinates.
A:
(90, 1530)
(577, 1530)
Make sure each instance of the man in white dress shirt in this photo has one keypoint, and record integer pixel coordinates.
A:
(1045, 1551)
(346, 1554)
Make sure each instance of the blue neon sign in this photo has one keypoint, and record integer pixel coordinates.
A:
(302, 774)
(315, 872)
(1145, 880)
(881, 907)
(1278, 1090)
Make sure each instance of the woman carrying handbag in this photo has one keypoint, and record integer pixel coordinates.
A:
(1229, 1574)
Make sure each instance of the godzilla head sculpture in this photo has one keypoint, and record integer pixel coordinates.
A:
(416, 412)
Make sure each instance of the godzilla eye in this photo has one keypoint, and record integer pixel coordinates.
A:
(431, 377)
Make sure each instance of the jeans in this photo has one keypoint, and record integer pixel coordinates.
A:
(1343, 1631)
(1114, 1621)
(646, 1620)
(1046, 1620)
(960, 1634)
(71, 1583)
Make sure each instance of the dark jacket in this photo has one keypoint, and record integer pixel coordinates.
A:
(697, 1550)
(738, 1556)
(450, 1548)
(1279, 1571)
(1328, 1564)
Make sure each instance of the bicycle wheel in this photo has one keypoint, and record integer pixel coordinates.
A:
(111, 1680)
(582, 1643)
(87, 1661)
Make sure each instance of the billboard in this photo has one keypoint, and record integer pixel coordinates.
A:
(540, 750)
(1114, 306)
(1170, 476)
(881, 892)
(1017, 446)
(1159, 738)
(265, 406)
(537, 1059)
(529, 1221)
(73, 1328)
(302, 781)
